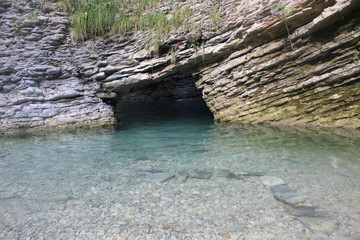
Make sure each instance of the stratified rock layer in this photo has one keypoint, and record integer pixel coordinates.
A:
(316, 82)
(40, 82)
(242, 57)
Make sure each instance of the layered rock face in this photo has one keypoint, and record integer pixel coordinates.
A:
(261, 66)
(295, 63)
(314, 81)
(40, 79)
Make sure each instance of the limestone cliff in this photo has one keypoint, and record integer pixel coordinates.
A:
(40, 78)
(253, 65)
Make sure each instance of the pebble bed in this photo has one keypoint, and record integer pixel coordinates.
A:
(207, 191)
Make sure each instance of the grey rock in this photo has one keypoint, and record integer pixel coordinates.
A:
(200, 174)
(224, 173)
(325, 225)
(286, 195)
(50, 112)
(91, 71)
(249, 174)
(142, 55)
(320, 236)
(41, 51)
(112, 69)
(115, 77)
(156, 176)
(304, 211)
(100, 76)
(182, 176)
(271, 181)
(111, 95)
(102, 64)
(53, 71)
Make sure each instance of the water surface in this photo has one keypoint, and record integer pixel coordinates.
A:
(102, 173)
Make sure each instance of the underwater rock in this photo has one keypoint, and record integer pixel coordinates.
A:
(271, 181)
(157, 176)
(200, 174)
(286, 195)
(249, 174)
(182, 176)
(320, 224)
(304, 211)
(224, 173)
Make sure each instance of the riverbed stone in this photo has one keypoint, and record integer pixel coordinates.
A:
(200, 174)
(157, 177)
(182, 176)
(325, 225)
(304, 211)
(271, 181)
(249, 174)
(287, 195)
(223, 173)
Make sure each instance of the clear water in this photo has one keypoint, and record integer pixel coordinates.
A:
(99, 171)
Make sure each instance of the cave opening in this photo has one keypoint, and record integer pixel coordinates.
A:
(168, 99)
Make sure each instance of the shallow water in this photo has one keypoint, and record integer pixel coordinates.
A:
(97, 184)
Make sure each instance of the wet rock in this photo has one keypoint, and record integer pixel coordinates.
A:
(320, 236)
(224, 173)
(304, 211)
(325, 225)
(249, 174)
(156, 176)
(286, 195)
(200, 174)
(271, 181)
(182, 176)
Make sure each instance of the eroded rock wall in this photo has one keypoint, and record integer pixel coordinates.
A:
(40, 79)
(258, 67)
(251, 65)
(315, 82)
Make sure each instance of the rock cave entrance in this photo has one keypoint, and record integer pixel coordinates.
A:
(171, 98)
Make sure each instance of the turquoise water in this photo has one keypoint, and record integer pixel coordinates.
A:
(98, 169)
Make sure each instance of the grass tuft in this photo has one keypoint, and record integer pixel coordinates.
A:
(92, 18)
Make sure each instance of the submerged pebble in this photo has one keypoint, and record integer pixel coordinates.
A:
(304, 211)
(182, 176)
(324, 225)
(271, 181)
(286, 195)
(147, 184)
(200, 174)
(224, 173)
(158, 177)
